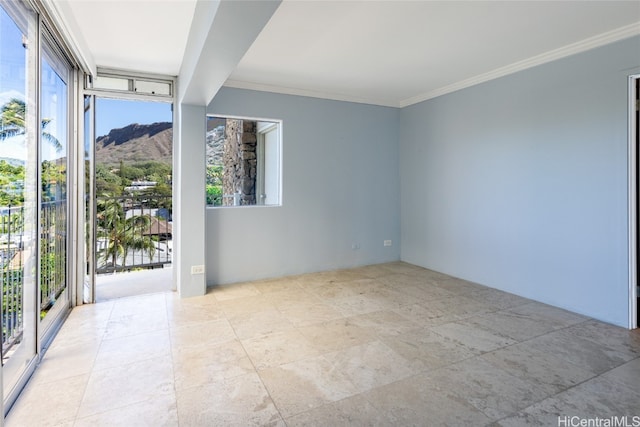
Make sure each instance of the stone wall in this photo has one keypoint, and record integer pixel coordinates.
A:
(240, 162)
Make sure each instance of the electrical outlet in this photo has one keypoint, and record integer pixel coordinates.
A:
(355, 246)
(387, 242)
(197, 269)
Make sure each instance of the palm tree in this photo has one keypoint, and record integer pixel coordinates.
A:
(12, 122)
(121, 233)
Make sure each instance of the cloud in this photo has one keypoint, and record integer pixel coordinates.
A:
(6, 96)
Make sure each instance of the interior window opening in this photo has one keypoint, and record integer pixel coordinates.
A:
(243, 161)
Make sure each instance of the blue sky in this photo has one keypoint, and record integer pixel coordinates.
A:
(117, 113)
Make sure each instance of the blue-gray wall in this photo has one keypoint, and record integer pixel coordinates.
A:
(520, 183)
(340, 188)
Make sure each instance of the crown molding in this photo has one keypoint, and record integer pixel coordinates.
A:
(568, 50)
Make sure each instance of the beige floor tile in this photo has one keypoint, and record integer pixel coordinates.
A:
(161, 411)
(277, 285)
(437, 350)
(184, 311)
(354, 305)
(476, 338)
(305, 384)
(512, 324)
(597, 398)
(492, 390)
(426, 293)
(66, 362)
(200, 334)
(195, 366)
(426, 350)
(425, 315)
(259, 323)
(233, 291)
(278, 348)
(627, 375)
(383, 323)
(148, 304)
(497, 299)
(403, 267)
(390, 299)
(370, 365)
(458, 286)
(621, 340)
(416, 402)
(309, 313)
(245, 305)
(336, 335)
(557, 317)
(582, 352)
(238, 401)
(338, 275)
(547, 371)
(284, 299)
(331, 291)
(125, 385)
(119, 351)
(144, 321)
(353, 411)
(52, 404)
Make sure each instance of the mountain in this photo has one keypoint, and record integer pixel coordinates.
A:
(136, 143)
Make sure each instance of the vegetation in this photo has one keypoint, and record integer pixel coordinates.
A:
(12, 122)
(11, 184)
(214, 185)
(122, 234)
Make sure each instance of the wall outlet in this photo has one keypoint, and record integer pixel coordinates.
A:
(197, 269)
(355, 246)
(387, 242)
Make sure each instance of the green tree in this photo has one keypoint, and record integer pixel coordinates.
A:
(12, 122)
(122, 234)
(214, 185)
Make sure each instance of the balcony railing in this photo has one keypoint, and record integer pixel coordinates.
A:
(11, 274)
(133, 232)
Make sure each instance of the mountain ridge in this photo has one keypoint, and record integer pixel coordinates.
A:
(136, 143)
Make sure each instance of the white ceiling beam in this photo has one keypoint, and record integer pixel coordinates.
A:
(221, 33)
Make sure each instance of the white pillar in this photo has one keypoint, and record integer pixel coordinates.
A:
(189, 199)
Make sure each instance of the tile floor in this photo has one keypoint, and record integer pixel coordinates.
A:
(383, 345)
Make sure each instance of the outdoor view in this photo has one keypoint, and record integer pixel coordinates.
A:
(133, 153)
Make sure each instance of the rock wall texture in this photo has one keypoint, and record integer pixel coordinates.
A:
(240, 163)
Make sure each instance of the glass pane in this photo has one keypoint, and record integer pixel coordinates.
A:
(153, 88)
(53, 175)
(18, 200)
(111, 83)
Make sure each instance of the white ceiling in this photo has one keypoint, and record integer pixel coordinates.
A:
(382, 52)
(138, 35)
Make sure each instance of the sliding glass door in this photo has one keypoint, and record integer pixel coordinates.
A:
(54, 137)
(18, 192)
(35, 148)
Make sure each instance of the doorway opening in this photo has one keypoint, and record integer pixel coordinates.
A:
(132, 197)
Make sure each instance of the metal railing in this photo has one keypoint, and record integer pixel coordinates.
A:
(11, 274)
(133, 232)
(53, 252)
